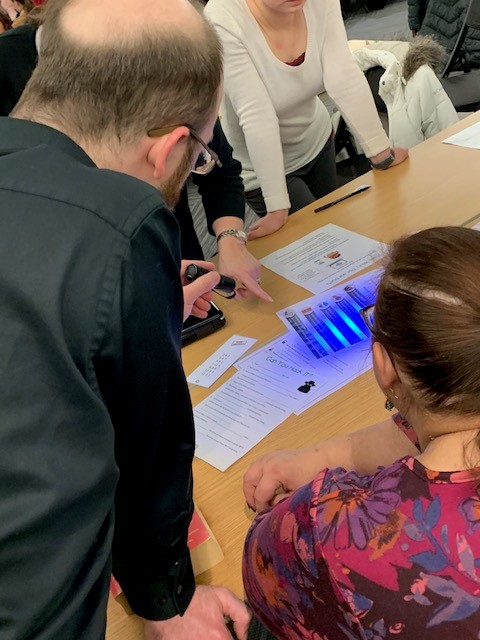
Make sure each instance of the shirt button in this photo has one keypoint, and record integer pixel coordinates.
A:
(179, 589)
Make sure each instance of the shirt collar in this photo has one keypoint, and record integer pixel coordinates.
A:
(16, 135)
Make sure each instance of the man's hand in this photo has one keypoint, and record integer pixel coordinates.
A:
(236, 261)
(198, 294)
(277, 474)
(204, 618)
(273, 221)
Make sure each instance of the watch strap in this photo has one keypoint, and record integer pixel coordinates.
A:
(236, 233)
(384, 164)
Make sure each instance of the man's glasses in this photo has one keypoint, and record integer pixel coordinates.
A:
(205, 161)
(367, 314)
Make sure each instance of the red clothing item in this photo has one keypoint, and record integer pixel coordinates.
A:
(298, 61)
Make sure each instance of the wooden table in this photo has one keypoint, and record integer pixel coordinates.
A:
(438, 185)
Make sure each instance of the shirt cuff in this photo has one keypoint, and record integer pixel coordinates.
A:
(155, 597)
(376, 145)
(273, 203)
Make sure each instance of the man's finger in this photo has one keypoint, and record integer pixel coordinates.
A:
(201, 263)
(235, 609)
(201, 285)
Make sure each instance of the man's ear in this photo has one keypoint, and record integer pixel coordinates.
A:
(383, 367)
(165, 150)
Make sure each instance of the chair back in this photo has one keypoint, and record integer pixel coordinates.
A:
(472, 17)
(463, 89)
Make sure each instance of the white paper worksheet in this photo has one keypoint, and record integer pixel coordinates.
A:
(247, 407)
(469, 137)
(329, 374)
(324, 257)
(220, 361)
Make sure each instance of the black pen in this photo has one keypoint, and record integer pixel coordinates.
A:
(359, 189)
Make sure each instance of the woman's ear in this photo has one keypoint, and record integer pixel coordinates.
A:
(383, 368)
(164, 152)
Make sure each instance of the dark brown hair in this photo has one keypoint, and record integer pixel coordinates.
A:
(122, 90)
(427, 316)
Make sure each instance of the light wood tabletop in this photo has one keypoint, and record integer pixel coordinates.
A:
(438, 185)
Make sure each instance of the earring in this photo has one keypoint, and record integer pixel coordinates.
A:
(388, 404)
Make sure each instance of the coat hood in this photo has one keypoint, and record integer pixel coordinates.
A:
(402, 58)
(424, 50)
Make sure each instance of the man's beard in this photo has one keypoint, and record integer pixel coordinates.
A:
(173, 186)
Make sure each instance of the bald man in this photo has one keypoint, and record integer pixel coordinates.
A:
(96, 428)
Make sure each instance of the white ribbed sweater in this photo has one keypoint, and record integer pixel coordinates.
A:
(271, 114)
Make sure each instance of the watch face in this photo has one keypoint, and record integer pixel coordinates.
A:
(242, 235)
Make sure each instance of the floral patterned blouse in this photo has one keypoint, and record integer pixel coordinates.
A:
(391, 555)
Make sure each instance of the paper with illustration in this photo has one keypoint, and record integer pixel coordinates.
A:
(324, 258)
(248, 406)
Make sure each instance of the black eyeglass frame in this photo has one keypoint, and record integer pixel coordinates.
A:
(162, 131)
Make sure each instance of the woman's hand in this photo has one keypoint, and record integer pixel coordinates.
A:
(276, 474)
(273, 221)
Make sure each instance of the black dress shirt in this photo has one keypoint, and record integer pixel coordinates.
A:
(95, 415)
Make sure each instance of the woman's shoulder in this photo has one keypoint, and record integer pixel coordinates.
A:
(230, 14)
(339, 480)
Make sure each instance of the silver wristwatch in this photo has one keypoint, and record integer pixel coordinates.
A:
(236, 233)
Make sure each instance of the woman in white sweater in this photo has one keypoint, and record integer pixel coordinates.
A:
(279, 55)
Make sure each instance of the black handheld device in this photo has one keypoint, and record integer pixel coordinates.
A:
(195, 328)
(226, 285)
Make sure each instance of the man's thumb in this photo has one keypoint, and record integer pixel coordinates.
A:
(203, 284)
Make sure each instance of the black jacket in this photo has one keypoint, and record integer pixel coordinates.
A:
(94, 406)
(443, 19)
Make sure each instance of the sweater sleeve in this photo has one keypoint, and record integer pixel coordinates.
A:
(258, 120)
(348, 87)
(286, 577)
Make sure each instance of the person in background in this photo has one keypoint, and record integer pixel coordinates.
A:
(443, 20)
(376, 534)
(5, 21)
(97, 436)
(221, 188)
(18, 59)
(271, 114)
(17, 10)
(223, 199)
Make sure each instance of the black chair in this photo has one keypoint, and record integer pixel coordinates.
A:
(463, 88)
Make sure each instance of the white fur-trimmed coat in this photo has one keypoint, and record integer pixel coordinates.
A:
(416, 102)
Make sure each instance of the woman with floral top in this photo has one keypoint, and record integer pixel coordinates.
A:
(376, 535)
